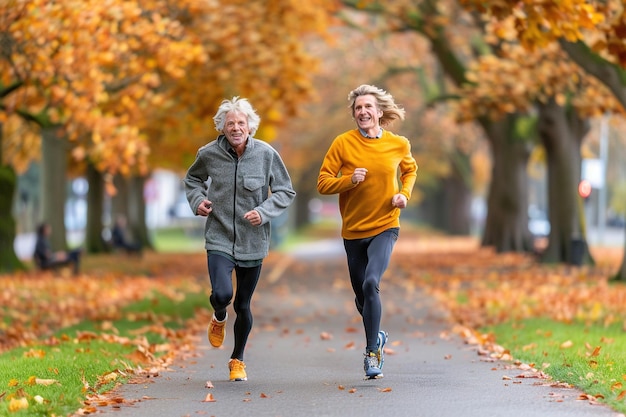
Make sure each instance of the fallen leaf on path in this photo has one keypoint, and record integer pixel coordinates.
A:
(85, 411)
(388, 389)
(326, 336)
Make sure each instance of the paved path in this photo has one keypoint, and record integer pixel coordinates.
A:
(293, 371)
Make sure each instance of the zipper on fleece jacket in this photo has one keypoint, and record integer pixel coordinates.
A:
(235, 205)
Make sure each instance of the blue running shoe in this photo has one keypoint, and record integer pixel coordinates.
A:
(370, 365)
(380, 352)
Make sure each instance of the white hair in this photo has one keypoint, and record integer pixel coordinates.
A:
(240, 105)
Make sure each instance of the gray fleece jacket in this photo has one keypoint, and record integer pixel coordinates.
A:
(258, 180)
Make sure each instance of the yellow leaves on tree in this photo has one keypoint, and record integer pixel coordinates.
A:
(515, 80)
(59, 52)
(538, 23)
(602, 25)
(117, 74)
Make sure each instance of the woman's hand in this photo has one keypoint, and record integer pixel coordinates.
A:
(358, 175)
(399, 201)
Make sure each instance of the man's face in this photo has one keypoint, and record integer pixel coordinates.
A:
(236, 129)
(366, 113)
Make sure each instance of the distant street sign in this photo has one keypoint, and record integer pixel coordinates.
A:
(593, 171)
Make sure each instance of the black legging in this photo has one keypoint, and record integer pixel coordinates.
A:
(367, 261)
(220, 274)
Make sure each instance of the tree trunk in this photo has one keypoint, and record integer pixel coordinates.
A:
(9, 261)
(506, 225)
(561, 132)
(130, 203)
(458, 201)
(446, 206)
(301, 209)
(94, 241)
(54, 184)
(430, 209)
(137, 212)
(119, 202)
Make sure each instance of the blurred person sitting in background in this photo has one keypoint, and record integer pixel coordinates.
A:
(45, 258)
(119, 238)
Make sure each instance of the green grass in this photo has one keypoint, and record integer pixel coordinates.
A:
(590, 357)
(72, 362)
(67, 364)
(179, 239)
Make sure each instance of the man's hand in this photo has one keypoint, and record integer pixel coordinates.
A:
(253, 217)
(205, 208)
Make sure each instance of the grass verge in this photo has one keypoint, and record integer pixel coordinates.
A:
(589, 357)
(55, 376)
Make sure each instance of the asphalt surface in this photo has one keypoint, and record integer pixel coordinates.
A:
(294, 369)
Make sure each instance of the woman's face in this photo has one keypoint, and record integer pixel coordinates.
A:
(236, 129)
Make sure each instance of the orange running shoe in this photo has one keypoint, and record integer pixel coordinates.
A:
(217, 331)
(237, 370)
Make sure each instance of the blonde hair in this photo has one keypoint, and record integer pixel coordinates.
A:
(240, 105)
(384, 101)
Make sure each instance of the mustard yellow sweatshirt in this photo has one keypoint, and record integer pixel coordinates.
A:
(366, 208)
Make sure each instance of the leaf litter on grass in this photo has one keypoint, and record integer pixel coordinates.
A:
(476, 286)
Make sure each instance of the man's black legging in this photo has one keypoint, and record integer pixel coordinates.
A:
(221, 276)
(367, 261)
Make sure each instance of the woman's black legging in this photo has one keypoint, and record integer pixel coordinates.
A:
(367, 261)
(221, 276)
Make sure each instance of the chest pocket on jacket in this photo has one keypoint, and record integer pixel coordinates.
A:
(253, 183)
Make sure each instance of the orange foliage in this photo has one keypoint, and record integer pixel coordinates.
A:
(36, 305)
(517, 78)
(601, 24)
(118, 74)
(480, 287)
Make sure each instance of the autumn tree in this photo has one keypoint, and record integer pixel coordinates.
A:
(590, 32)
(564, 98)
(56, 56)
(455, 40)
(109, 78)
